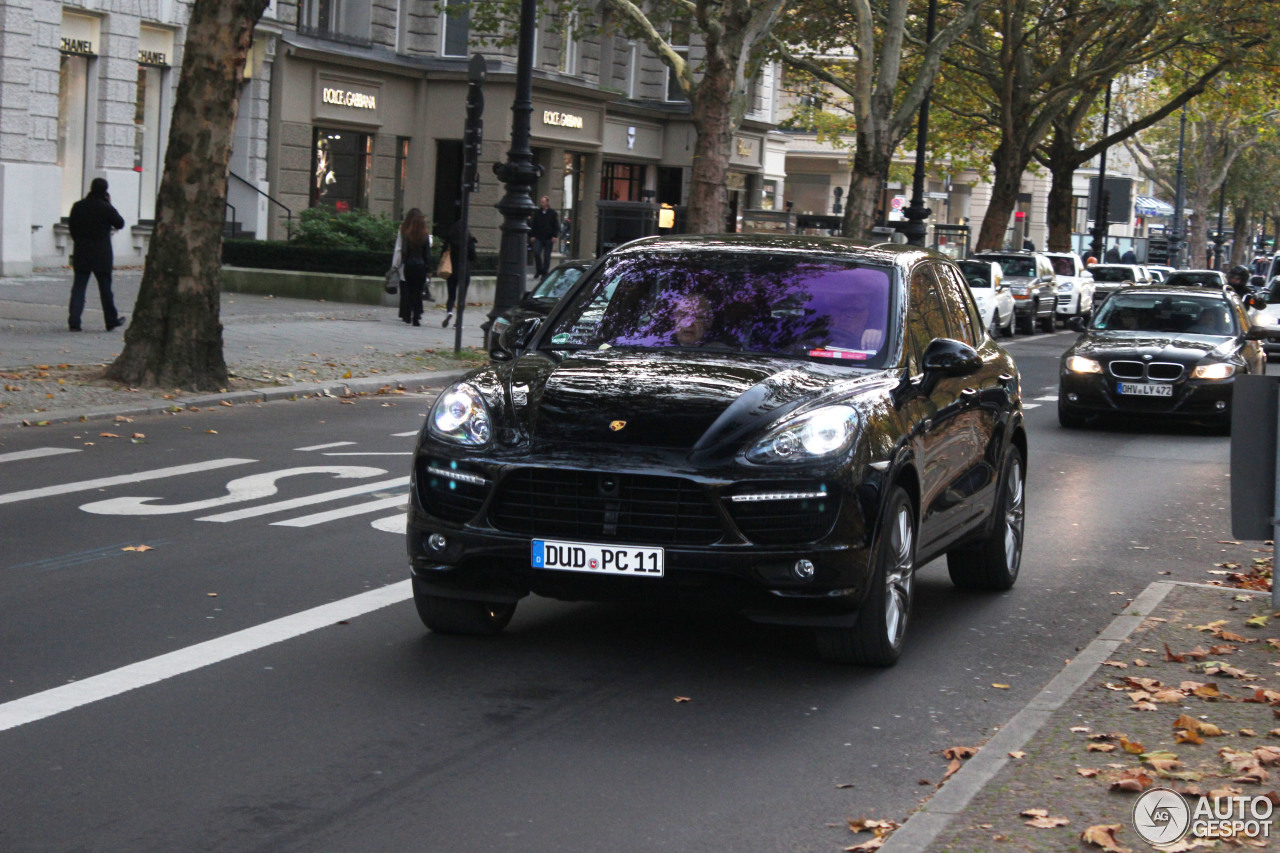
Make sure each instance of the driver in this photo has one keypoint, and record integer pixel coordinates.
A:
(692, 320)
(854, 327)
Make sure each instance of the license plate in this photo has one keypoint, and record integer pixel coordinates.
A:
(598, 559)
(1142, 389)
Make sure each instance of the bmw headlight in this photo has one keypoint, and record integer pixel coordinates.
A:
(460, 415)
(1220, 370)
(1080, 364)
(823, 432)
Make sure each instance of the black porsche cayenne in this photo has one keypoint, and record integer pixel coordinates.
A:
(785, 426)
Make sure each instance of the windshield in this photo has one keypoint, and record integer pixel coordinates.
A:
(1111, 274)
(977, 273)
(1155, 312)
(782, 303)
(1062, 266)
(557, 283)
(1023, 267)
(1195, 278)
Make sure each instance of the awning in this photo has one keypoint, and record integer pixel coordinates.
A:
(1148, 206)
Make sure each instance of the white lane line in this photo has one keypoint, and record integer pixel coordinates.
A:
(140, 476)
(403, 434)
(1048, 398)
(371, 453)
(39, 706)
(326, 446)
(345, 512)
(294, 503)
(36, 453)
(1031, 405)
(398, 523)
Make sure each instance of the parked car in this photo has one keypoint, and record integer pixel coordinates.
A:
(995, 301)
(785, 426)
(539, 301)
(1160, 352)
(1108, 278)
(1196, 278)
(1075, 285)
(1267, 317)
(1029, 276)
(1159, 274)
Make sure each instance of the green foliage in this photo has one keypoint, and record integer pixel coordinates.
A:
(275, 255)
(353, 229)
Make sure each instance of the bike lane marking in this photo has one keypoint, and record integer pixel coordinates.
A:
(122, 479)
(36, 453)
(57, 700)
(293, 503)
(344, 512)
(326, 446)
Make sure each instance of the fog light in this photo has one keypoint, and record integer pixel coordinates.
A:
(1220, 405)
(1071, 398)
(803, 569)
(436, 542)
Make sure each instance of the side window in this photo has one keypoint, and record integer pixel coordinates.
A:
(926, 315)
(958, 302)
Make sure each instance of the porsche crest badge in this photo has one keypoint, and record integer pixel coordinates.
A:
(617, 425)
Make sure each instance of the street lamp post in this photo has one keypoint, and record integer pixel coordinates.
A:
(1218, 237)
(520, 174)
(1175, 239)
(1101, 213)
(916, 213)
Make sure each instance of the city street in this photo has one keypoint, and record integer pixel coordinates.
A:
(251, 675)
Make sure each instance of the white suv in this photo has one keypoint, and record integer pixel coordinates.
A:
(1075, 285)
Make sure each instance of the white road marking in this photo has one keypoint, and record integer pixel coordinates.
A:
(36, 453)
(1048, 398)
(326, 446)
(244, 489)
(1031, 405)
(294, 503)
(392, 523)
(345, 512)
(39, 706)
(122, 479)
(403, 434)
(372, 453)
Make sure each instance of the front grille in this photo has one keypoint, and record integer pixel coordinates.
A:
(786, 521)
(1162, 371)
(1166, 371)
(1064, 301)
(445, 492)
(1126, 369)
(630, 508)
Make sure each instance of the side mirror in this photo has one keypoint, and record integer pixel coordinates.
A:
(1076, 324)
(514, 339)
(946, 357)
(1257, 333)
(1256, 301)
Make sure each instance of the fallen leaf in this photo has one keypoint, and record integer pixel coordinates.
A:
(1079, 728)
(1017, 753)
(138, 435)
(212, 594)
(1256, 622)
(952, 769)
(960, 752)
(1087, 772)
(1100, 747)
(225, 403)
(1104, 835)
(683, 699)
(1132, 746)
(107, 435)
(1047, 822)
(211, 431)
(1000, 686)
(1118, 664)
(137, 548)
(866, 846)
(1140, 662)
(1034, 813)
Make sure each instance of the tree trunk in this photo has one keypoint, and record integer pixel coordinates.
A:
(871, 159)
(1242, 225)
(174, 339)
(1063, 162)
(713, 121)
(1009, 162)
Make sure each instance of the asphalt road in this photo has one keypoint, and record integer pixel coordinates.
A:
(258, 679)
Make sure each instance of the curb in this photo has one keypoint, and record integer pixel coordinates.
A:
(274, 393)
(922, 828)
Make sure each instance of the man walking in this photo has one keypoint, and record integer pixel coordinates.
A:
(91, 222)
(544, 227)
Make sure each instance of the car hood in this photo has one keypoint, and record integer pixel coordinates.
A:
(663, 399)
(1187, 349)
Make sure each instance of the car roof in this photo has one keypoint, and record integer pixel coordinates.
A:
(894, 254)
(1174, 290)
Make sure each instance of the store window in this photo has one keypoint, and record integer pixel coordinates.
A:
(402, 175)
(1080, 214)
(73, 106)
(146, 139)
(341, 20)
(457, 28)
(622, 182)
(671, 185)
(341, 163)
(679, 44)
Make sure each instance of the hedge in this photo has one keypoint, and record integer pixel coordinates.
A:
(277, 255)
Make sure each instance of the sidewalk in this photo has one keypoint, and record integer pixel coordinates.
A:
(274, 348)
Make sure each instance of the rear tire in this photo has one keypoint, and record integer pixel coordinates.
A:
(878, 636)
(993, 563)
(461, 615)
(1047, 323)
(1026, 323)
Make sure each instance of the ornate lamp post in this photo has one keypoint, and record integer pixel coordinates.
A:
(519, 173)
(916, 213)
(1176, 237)
(1218, 237)
(1100, 224)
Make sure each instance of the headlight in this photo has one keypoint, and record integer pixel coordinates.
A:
(823, 432)
(1080, 364)
(460, 415)
(1065, 288)
(1220, 370)
(498, 327)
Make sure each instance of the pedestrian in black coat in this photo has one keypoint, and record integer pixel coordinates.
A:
(92, 221)
(544, 228)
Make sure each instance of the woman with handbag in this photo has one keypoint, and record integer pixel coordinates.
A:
(411, 259)
(448, 269)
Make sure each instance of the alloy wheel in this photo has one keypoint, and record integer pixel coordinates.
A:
(899, 575)
(1014, 515)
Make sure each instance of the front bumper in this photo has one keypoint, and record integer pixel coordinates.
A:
(1199, 400)
(482, 557)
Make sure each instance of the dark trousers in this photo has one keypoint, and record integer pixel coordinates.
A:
(412, 288)
(451, 283)
(78, 286)
(542, 255)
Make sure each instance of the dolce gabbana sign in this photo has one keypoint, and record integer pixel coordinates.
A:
(559, 119)
(347, 98)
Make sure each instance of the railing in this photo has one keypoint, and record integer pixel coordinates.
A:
(287, 212)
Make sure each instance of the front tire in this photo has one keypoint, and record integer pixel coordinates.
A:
(1026, 323)
(461, 615)
(993, 563)
(1069, 419)
(1047, 323)
(877, 638)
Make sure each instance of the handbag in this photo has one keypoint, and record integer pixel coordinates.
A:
(393, 281)
(446, 264)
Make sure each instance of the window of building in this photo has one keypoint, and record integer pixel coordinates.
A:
(569, 44)
(73, 93)
(633, 70)
(671, 185)
(457, 28)
(341, 20)
(341, 160)
(146, 139)
(1080, 214)
(622, 182)
(680, 44)
(402, 175)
